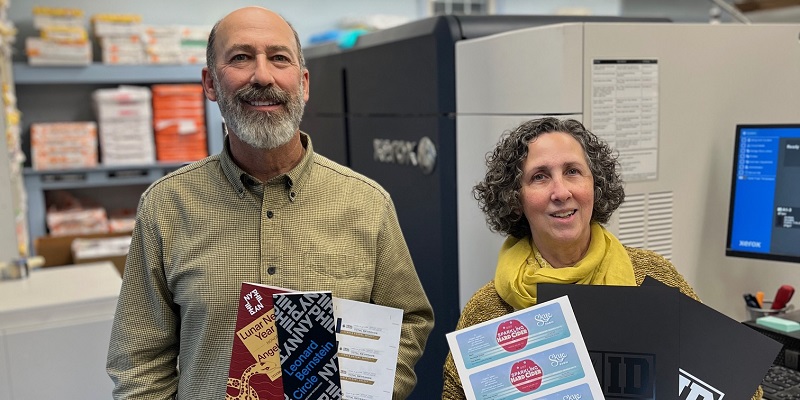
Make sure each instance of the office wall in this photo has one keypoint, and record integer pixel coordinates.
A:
(307, 16)
(677, 10)
(313, 16)
(548, 7)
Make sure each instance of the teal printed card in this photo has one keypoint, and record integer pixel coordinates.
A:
(514, 334)
(530, 374)
(535, 353)
(580, 392)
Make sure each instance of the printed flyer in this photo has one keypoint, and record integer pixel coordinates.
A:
(255, 368)
(307, 343)
(369, 339)
(535, 353)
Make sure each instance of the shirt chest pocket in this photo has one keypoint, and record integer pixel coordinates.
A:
(347, 276)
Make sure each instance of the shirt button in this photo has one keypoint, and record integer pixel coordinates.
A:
(269, 214)
(271, 270)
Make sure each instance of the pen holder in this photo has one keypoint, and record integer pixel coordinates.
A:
(756, 312)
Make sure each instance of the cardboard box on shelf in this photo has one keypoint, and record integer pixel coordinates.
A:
(114, 249)
(57, 250)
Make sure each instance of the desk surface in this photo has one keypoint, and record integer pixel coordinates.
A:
(792, 316)
(55, 327)
(60, 286)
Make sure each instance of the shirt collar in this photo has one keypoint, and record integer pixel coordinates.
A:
(292, 180)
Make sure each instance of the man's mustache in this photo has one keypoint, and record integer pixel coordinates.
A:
(263, 93)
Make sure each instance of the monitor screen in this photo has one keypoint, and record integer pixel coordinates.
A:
(764, 219)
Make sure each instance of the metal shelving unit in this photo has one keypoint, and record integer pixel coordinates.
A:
(71, 86)
(25, 74)
(13, 226)
(38, 182)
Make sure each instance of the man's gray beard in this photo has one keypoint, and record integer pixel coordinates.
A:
(256, 128)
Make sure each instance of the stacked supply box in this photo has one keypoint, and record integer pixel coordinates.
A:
(125, 119)
(70, 215)
(179, 121)
(62, 38)
(162, 44)
(120, 37)
(63, 145)
(193, 44)
(76, 221)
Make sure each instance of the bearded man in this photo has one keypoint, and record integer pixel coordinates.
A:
(267, 209)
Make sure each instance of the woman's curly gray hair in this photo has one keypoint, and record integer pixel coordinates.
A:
(499, 193)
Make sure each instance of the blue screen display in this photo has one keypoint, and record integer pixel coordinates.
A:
(765, 193)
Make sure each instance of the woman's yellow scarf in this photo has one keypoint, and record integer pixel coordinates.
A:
(520, 267)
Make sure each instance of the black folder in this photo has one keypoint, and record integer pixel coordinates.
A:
(719, 357)
(632, 334)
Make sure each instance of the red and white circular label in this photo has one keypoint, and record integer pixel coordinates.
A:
(526, 376)
(512, 335)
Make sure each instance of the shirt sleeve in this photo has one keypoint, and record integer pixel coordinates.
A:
(397, 285)
(142, 355)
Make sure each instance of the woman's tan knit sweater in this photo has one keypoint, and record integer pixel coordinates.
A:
(486, 304)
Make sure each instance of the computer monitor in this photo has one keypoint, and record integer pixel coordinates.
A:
(764, 216)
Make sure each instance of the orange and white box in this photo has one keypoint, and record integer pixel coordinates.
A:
(163, 35)
(179, 118)
(76, 221)
(195, 32)
(56, 16)
(122, 220)
(163, 44)
(117, 24)
(193, 56)
(47, 52)
(124, 49)
(193, 43)
(64, 34)
(167, 59)
(112, 111)
(116, 58)
(63, 145)
(121, 42)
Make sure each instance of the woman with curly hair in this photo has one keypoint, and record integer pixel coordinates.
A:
(550, 185)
